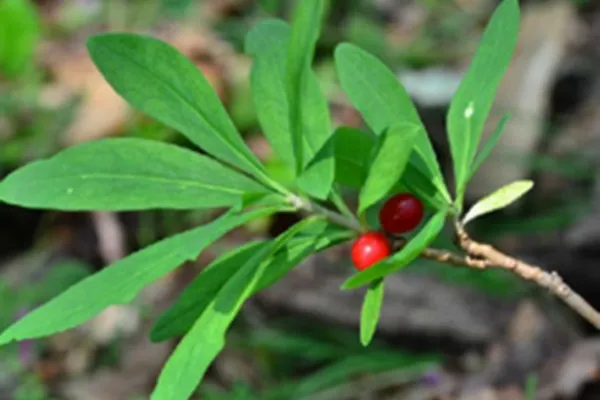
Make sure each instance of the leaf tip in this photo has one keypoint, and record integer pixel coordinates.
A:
(366, 335)
(527, 183)
(499, 199)
(355, 281)
(156, 335)
(342, 48)
(6, 337)
(270, 28)
(348, 284)
(365, 340)
(94, 41)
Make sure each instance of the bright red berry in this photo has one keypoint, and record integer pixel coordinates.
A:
(369, 249)
(401, 213)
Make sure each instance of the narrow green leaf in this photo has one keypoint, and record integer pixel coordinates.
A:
(180, 317)
(337, 373)
(383, 102)
(353, 149)
(473, 100)
(192, 302)
(393, 152)
(189, 362)
(126, 174)
(499, 199)
(268, 43)
(319, 175)
(531, 387)
(316, 121)
(122, 281)
(489, 145)
(285, 341)
(352, 156)
(369, 316)
(158, 80)
(294, 115)
(19, 35)
(301, 247)
(309, 113)
(306, 27)
(402, 258)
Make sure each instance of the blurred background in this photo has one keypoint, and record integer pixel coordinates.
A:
(445, 332)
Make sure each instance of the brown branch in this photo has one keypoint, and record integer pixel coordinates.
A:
(482, 256)
(490, 257)
(479, 256)
(448, 257)
(445, 256)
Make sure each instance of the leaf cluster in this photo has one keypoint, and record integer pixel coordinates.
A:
(392, 153)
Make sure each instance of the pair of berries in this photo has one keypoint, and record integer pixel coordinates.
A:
(400, 214)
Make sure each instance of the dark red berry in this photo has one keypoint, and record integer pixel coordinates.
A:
(369, 249)
(401, 213)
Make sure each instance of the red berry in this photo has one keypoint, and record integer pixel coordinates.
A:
(401, 213)
(369, 249)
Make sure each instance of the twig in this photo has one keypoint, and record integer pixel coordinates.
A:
(446, 256)
(339, 202)
(482, 256)
(478, 256)
(549, 280)
(454, 259)
(311, 207)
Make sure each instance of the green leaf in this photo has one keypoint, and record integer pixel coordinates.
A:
(308, 109)
(499, 199)
(158, 80)
(352, 161)
(489, 145)
(319, 175)
(280, 172)
(531, 387)
(126, 174)
(315, 122)
(383, 102)
(268, 43)
(473, 100)
(192, 302)
(122, 281)
(402, 258)
(352, 156)
(194, 354)
(338, 373)
(294, 115)
(393, 152)
(295, 344)
(19, 35)
(180, 317)
(369, 316)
